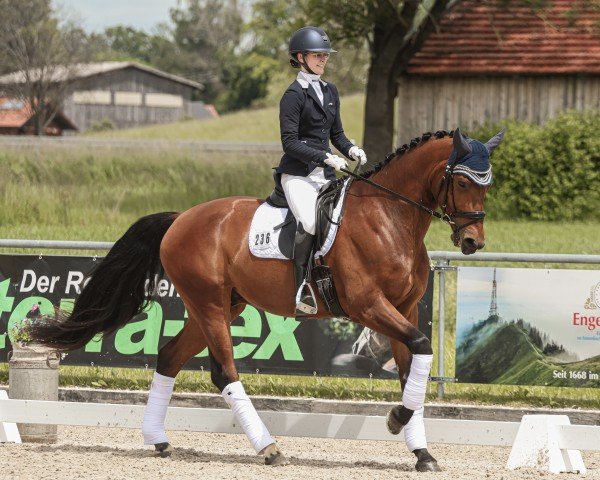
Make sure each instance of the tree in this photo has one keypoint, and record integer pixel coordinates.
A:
(206, 33)
(204, 43)
(157, 49)
(391, 31)
(247, 78)
(394, 30)
(42, 53)
(133, 43)
(271, 26)
(4, 63)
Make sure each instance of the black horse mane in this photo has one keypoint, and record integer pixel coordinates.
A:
(405, 148)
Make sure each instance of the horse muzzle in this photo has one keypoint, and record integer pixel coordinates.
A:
(469, 245)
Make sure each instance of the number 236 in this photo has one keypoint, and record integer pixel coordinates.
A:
(262, 239)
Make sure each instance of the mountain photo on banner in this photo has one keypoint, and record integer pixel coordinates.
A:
(518, 326)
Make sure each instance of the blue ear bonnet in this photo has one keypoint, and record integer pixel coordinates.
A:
(474, 165)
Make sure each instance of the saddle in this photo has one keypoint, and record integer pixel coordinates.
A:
(327, 201)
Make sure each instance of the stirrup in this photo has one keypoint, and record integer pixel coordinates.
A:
(301, 306)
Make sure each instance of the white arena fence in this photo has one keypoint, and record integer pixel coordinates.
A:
(546, 442)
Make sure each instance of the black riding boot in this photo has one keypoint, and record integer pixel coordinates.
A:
(305, 299)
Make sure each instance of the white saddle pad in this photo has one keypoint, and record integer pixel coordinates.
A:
(264, 240)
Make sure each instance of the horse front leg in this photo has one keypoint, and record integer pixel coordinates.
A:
(414, 431)
(383, 317)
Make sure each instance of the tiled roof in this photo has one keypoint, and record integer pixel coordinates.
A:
(484, 37)
(13, 117)
(83, 70)
(15, 113)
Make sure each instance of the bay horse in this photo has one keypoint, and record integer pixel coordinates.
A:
(379, 262)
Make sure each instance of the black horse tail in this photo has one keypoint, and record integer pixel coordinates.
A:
(116, 290)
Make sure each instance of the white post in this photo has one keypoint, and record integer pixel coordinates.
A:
(441, 324)
(8, 431)
(538, 445)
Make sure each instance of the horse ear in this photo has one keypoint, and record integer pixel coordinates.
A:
(461, 146)
(495, 141)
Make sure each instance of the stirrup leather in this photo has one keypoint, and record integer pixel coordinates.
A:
(301, 305)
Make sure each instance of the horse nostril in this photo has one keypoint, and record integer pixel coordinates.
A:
(470, 242)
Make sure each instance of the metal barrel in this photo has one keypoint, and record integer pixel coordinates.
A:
(33, 375)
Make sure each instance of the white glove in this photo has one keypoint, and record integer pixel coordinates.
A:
(358, 154)
(336, 162)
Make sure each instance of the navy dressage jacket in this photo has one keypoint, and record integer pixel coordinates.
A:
(307, 126)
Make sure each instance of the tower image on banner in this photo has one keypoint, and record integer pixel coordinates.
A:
(548, 332)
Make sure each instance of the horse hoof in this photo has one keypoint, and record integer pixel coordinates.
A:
(428, 466)
(274, 457)
(396, 418)
(163, 449)
(393, 426)
(425, 461)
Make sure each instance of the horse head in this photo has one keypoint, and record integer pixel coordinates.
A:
(467, 178)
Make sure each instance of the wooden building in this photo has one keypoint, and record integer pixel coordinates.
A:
(126, 94)
(488, 63)
(16, 119)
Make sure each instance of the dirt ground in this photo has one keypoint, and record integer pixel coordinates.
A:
(111, 453)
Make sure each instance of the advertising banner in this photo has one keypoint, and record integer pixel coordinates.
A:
(517, 326)
(262, 341)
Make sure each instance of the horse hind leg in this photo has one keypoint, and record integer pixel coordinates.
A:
(171, 359)
(225, 377)
(234, 395)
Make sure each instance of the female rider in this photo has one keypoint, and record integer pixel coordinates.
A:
(309, 116)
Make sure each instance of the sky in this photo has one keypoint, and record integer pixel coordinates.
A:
(98, 14)
(546, 298)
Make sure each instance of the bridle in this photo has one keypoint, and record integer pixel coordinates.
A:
(447, 185)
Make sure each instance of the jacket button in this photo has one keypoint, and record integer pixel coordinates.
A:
(324, 119)
(323, 130)
(322, 141)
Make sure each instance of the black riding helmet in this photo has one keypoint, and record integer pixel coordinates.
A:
(308, 39)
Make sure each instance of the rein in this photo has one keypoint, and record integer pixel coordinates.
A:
(475, 216)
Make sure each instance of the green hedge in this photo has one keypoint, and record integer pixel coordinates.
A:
(548, 172)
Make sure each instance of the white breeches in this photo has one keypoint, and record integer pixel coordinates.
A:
(301, 194)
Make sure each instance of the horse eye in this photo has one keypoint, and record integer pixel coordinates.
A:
(462, 184)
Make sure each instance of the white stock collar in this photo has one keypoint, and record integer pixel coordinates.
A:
(304, 79)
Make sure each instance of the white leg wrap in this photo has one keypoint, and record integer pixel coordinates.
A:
(413, 396)
(246, 415)
(414, 431)
(153, 426)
